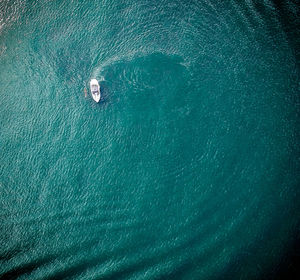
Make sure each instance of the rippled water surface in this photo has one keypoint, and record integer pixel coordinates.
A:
(188, 168)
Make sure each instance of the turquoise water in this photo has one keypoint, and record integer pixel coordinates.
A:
(189, 166)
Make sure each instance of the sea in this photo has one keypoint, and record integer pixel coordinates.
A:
(187, 168)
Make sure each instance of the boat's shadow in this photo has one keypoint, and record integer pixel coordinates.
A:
(105, 98)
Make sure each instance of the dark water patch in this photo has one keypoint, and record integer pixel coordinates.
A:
(24, 269)
(289, 265)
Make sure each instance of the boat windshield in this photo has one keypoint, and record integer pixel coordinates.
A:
(94, 89)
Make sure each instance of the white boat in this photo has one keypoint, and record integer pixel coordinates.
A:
(95, 90)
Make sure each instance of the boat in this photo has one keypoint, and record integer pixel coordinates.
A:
(95, 90)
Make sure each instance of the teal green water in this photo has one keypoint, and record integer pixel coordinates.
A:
(188, 168)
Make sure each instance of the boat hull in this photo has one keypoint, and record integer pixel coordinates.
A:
(95, 90)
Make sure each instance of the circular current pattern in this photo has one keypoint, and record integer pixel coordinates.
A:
(189, 166)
